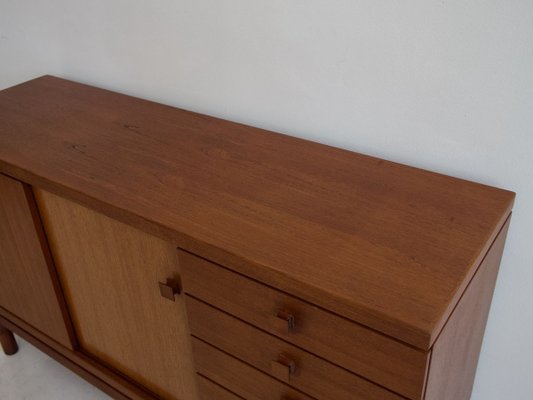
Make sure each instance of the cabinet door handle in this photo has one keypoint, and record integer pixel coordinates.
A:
(283, 368)
(284, 322)
(170, 289)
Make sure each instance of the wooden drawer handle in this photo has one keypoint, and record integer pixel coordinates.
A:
(283, 368)
(284, 321)
(170, 289)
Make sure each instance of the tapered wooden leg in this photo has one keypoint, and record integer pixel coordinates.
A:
(8, 342)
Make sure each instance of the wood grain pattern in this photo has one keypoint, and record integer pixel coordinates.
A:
(456, 351)
(110, 273)
(110, 381)
(239, 377)
(367, 238)
(211, 391)
(28, 281)
(379, 358)
(312, 375)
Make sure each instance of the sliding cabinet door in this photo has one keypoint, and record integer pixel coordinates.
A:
(111, 274)
(28, 283)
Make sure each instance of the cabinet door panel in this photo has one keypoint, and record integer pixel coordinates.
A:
(28, 283)
(111, 273)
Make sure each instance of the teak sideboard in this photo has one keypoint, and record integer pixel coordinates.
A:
(161, 253)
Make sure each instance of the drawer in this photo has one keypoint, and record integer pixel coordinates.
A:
(377, 357)
(238, 377)
(209, 390)
(281, 360)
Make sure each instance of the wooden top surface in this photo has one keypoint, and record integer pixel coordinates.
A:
(388, 245)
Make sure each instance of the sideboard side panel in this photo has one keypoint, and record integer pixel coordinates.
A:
(456, 351)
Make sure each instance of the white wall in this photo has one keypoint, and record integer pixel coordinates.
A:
(444, 85)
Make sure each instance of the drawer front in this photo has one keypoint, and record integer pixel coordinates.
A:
(209, 390)
(281, 360)
(363, 351)
(241, 379)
